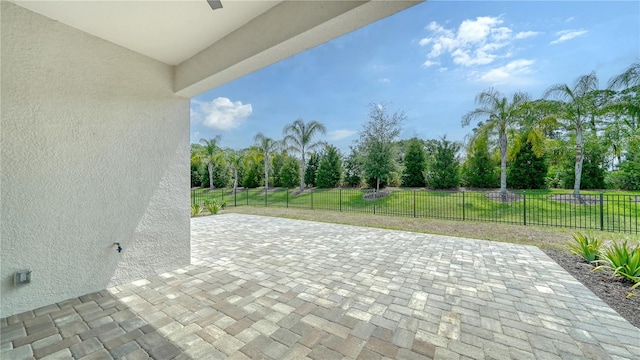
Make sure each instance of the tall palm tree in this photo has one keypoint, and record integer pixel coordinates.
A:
(210, 154)
(267, 146)
(576, 112)
(499, 115)
(235, 160)
(628, 78)
(298, 138)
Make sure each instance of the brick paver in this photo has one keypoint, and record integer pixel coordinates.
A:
(269, 288)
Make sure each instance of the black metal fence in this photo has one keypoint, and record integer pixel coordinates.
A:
(601, 211)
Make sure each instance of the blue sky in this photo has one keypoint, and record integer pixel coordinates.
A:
(429, 61)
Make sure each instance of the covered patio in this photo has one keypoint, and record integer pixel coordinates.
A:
(270, 288)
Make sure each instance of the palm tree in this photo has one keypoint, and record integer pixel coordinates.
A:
(210, 154)
(298, 139)
(576, 112)
(499, 115)
(630, 77)
(266, 145)
(235, 160)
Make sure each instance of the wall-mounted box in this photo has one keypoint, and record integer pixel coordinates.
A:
(22, 277)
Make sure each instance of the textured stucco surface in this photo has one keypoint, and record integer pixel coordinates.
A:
(94, 150)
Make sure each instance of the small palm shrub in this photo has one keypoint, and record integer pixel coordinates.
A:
(212, 206)
(623, 260)
(588, 248)
(196, 209)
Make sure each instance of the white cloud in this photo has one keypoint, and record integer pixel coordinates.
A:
(526, 34)
(474, 42)
(569, 19)
(425, 41)
(508, 72)
(336, 135)
(442, 69)
(220, 113)
(384, 80)
(429, 63)
(566, 35)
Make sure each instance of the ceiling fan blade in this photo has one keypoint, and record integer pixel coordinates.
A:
(215, 4)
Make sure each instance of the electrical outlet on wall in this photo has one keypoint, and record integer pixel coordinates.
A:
(22, 277)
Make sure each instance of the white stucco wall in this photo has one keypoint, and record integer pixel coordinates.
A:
(94, 150)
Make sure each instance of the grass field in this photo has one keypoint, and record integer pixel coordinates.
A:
(543, 237)
(609, 211)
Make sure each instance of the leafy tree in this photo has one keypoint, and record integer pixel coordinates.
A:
(527, 171)
(330, 169)
(443, 174)
(290, 172)
(353, 169)
(377, 141)
(499, 114)
(415, 163)
(631, 172)
(593, 166)
(210, 153)
(253, 162)
(312, 168)
(276, 168)
(575, 113)
(299, 139)
(221, 175)
(480, 169)
(251, 178)
(266, 146)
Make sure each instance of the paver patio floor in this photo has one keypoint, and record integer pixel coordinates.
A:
(269, 288)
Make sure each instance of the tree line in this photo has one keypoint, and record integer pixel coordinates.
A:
(576, 136)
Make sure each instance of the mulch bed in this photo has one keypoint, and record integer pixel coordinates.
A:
(571, 199)
(497, 196)
(611, 290)
(372, 195)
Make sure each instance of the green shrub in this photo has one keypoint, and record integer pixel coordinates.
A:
(415, 163)
(527, 171)
(290, 172)
(623, 260)
(212, 206)
(443, 172)
(588, 248)
(615, 180)
(196, 209)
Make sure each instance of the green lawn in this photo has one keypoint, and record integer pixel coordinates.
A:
(610, 211)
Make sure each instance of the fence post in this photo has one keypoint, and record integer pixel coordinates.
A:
(222, 191)
(464, 215)
(414, 203)
(374, 204)
(311, 190)
(601, 211)
(235, 197)
(524, 199)
(340, 199)
(287, 197)
(247, 197)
